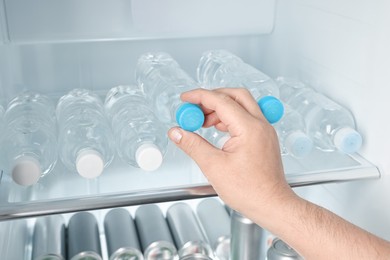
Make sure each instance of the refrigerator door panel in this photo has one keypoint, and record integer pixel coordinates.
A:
(341, 48)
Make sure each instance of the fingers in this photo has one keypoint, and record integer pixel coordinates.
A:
(245, 99)
(227, 110)
(194, 145)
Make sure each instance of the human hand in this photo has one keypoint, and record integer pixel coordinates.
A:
(247, 173)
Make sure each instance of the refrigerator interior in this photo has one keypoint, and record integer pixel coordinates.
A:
(338, 47)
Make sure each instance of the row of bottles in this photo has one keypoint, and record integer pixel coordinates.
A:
(302, 117)
(147, 233)
(330, 126)
(85, 140)
(133, 120)
(82, 131)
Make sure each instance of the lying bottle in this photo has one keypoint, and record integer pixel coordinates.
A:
(141, 139)
(220, 68)
(331, 126)
(85, 136)
(215, 137)
(291, 130)
(29, 144)
(162, 80)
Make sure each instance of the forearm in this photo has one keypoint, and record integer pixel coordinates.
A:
(317, 233)
(247, 173)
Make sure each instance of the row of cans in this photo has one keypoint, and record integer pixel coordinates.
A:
(212, 231)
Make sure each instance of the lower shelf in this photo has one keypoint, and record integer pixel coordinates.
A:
(176, 181)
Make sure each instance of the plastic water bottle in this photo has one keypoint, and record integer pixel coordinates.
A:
(291, 130)
(29, 142)
(141, 139)
(215, 137)
(84, 133)
(220, 68)
(162, 79)
(331, 126)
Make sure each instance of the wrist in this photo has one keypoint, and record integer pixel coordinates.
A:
(274, 208)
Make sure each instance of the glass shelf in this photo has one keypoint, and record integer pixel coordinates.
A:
(179, 178)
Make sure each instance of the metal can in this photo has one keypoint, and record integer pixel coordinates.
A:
(14, 239)
(245, 239)
(121, 235)
(49, 238)
(155, 236)
(83, 237)
(279, 250)
(216, 223)
(186, 231)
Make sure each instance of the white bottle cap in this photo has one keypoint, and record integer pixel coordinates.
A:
(298, 144)
(148, 157)
(26, 171)
(89, 163)
(347, 140)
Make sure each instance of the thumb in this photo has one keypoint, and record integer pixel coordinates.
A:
(194, 145)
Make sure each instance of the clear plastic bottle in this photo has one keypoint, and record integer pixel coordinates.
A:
(29, 142)
(215, 137)
(85, 138)
(220, 68)
(291, 130)
(331, 126)
(141, 139)
(162, 80)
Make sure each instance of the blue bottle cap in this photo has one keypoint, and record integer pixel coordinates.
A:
(272, 108)
(190, 117)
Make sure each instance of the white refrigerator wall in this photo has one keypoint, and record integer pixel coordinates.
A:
(342, 48)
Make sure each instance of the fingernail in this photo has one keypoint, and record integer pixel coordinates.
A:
(175, 135)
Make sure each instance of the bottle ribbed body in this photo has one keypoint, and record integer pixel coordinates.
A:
(330, 125)
(162, 80)
(220, 68)
(29, 141)
(291, 130)
(140, 138)
(85, 136)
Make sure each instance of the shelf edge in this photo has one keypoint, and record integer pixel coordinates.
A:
(41, 208)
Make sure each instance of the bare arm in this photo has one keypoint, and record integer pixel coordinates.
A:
(248, 175)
